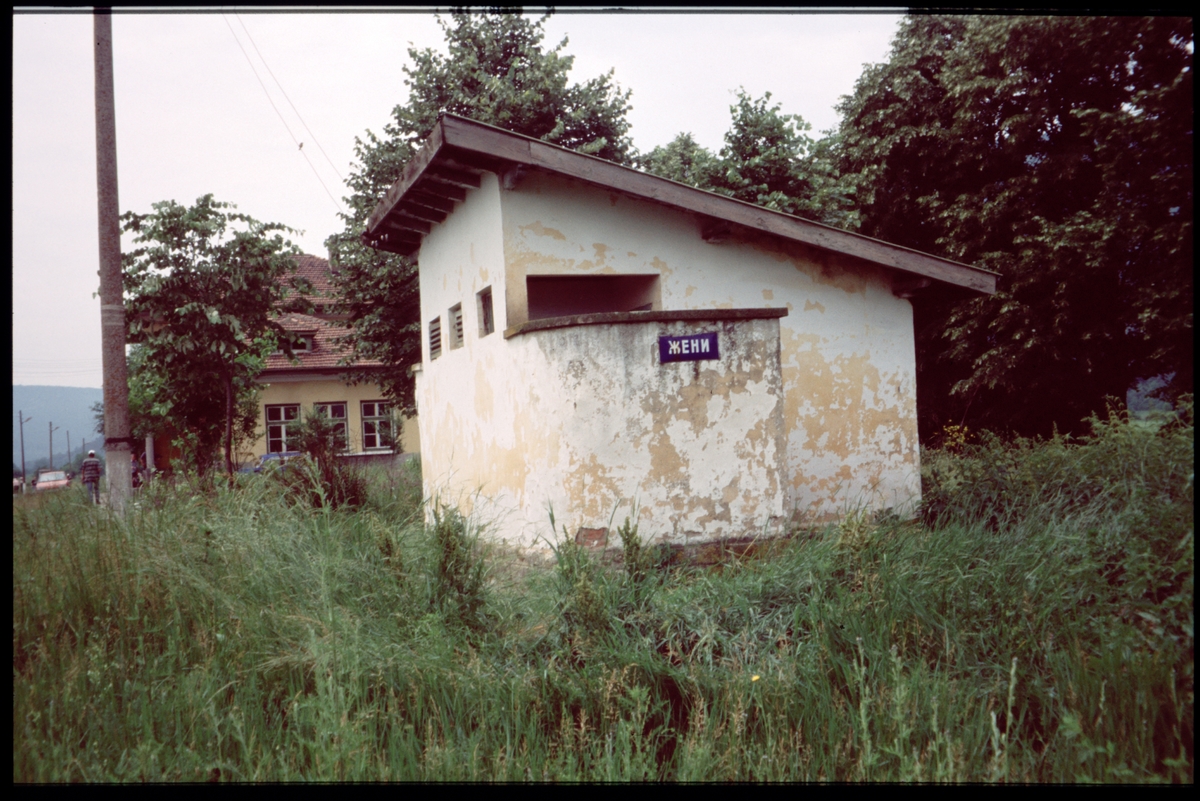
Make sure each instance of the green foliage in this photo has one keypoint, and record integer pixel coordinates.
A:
(1056, 151)
(458, 586)
(237, 636)
(496, 71)
(1125, 464)
(768, 160)
(684, 160)
(322, 479)
(201, 290)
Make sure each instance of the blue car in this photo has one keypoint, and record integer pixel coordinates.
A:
(279, 460)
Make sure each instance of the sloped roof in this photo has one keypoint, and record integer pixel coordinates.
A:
(317, 271)
(319, 274)
(325, 355)
(459, 150)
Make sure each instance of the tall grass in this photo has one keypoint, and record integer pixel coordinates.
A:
(1037, 626)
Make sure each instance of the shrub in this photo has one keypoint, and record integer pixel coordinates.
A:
(323, 479)
(1124, 463)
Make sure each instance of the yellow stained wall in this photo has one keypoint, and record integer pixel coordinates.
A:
(309, 393)
(847, 346)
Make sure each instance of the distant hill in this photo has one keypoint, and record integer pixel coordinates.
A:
(68, 408)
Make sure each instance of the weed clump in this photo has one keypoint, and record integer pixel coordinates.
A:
(459, 576)
(320, 478)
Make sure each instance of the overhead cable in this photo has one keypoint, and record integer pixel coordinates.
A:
(299, 144)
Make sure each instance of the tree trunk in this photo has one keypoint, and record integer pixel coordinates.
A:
(229, 425)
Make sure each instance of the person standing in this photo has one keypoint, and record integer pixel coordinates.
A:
(89, 472)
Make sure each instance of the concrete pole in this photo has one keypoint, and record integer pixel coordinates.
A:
(112, 300)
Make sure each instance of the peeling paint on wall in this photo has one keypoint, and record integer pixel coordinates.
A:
(698, 448)
(502, 420)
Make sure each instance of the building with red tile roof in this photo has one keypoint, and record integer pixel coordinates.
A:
(315, 378)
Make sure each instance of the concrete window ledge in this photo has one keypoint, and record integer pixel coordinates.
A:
(618, 318)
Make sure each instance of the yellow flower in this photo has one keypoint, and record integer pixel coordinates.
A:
(754, 678)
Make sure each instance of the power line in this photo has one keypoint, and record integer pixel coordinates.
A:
(285, 95)
(299, 144)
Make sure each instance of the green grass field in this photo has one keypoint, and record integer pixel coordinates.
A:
(1036, 625)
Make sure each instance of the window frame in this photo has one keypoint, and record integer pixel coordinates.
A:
(341, 423)
(370, 424)
(281, 424)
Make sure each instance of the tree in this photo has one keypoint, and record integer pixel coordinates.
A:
(1058, 152)
(684, 160)
(154, 409)
(202, 292)
(498, 72)
(768, 159)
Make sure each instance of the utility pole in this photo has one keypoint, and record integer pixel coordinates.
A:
(117, 442)
(69, 460)
(21, 416)
(53, 428)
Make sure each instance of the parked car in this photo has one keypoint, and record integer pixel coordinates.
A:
(51, 480)
(269, 460)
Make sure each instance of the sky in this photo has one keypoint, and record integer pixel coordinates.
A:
(195, 117)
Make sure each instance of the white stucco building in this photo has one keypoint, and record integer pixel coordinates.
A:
(596, 338)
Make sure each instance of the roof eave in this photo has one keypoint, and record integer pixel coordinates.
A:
(441, 172)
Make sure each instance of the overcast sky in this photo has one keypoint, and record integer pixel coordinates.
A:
(193, 119)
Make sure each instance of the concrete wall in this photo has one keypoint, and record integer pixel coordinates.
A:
(848, 351)
(568, 418)
(583, 421)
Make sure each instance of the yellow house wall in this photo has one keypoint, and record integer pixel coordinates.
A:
(309, 393)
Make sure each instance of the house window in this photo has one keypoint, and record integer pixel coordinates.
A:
(377, 425)
(435, 338)
(565, 295)
(301, 344)
(335, 412)
(456, 326)
(282, 423)
(483, 303)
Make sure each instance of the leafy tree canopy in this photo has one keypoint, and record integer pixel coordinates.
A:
(496, 71)
(202, 290)
(768, 159)
(1058, 152)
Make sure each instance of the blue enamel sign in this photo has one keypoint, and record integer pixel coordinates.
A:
(688, 348)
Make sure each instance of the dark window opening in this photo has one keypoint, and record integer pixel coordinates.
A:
(487, 323)
(563, 295)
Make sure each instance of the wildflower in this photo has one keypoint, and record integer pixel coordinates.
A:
(755, 678)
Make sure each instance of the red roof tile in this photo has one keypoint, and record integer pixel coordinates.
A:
(318, 273)
(326, 354)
